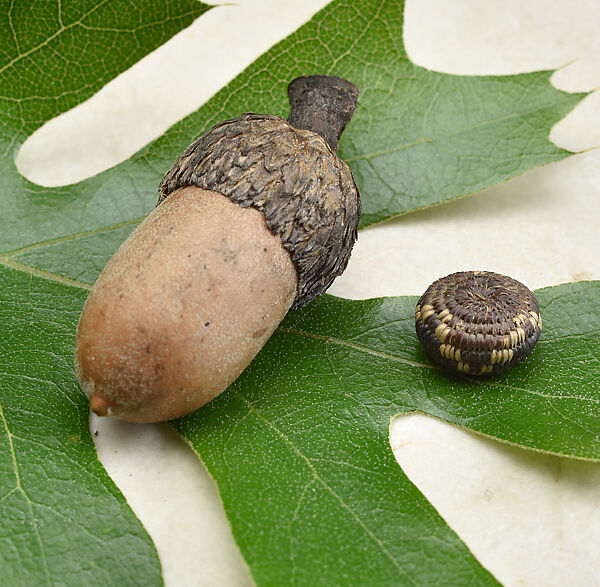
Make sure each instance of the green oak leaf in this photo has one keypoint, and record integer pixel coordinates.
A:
(418, 138)
(299, 444)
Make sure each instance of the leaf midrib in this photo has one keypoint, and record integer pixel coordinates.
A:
(4, 260)
(370, 351)
(71, 237)
(479, 125)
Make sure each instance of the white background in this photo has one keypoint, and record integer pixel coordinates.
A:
(531, 519)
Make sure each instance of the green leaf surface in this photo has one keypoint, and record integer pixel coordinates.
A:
(301, 439)
(81, 257)
(63, 521)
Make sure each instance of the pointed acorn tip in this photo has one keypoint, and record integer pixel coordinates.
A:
(99, 406)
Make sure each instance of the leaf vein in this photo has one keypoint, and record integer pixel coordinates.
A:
(478, 125)
(317, 477)
(19, 487)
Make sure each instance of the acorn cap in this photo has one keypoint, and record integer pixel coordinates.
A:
(478, 322)
(292, 175)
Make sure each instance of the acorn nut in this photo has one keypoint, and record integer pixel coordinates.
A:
(257, 216)
(478, 322)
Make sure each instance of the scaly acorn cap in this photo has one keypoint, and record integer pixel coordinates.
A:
(288, 170)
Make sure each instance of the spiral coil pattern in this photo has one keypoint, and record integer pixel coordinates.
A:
(478, 322)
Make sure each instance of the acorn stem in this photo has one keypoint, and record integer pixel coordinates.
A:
(323, 104)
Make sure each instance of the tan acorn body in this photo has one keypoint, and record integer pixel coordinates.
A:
(166, 328)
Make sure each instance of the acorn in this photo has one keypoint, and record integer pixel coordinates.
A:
(478, 322)
(257, 216)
